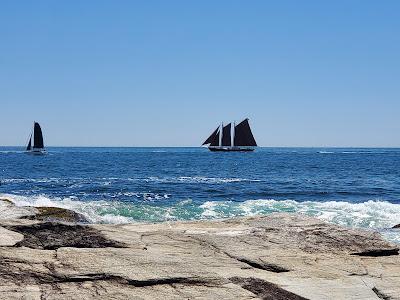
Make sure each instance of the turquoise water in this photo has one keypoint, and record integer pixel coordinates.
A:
(348, 186)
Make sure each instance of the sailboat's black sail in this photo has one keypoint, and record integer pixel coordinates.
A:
(226, 135)
(243, 135)
(38, 137)
(35, 144)
(29, 147)
(211, 138)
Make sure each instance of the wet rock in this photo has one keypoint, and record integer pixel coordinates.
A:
(6, 201)
(55, 235)
(9, 211)
(54, 214)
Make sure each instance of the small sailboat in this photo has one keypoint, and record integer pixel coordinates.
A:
(232, 138)
(37, 138)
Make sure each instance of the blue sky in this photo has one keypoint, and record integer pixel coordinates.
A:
(165, 73)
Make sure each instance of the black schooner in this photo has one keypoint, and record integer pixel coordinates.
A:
(38, 147)
(232, 138)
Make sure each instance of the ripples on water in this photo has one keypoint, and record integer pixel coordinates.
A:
(353, 187)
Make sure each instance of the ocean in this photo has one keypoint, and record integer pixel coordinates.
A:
(348, 186)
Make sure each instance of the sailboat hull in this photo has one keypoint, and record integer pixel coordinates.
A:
(230, 149)
(36, 152)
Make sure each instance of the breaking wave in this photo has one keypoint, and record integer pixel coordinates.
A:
(378, 215)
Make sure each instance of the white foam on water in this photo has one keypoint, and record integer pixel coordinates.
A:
(185, 202)
(11, 151)
(94, 211)
(378, 215)
(197, 179)
(370, 214)
(32, 180)
(209, 208)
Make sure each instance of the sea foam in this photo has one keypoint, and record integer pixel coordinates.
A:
(378, 215)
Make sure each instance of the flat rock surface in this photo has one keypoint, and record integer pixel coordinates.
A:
(280, 256)
(9, 238)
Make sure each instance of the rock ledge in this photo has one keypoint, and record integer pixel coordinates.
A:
(280, 256)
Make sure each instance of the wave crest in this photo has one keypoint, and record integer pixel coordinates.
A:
(371, 214)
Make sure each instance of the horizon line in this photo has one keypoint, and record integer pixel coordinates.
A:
(355, 147)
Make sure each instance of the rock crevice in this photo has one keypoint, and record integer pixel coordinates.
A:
(265, 290)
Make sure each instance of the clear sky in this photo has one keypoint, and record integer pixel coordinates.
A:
(165, 73)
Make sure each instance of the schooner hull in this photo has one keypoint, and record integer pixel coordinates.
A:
(230, 149)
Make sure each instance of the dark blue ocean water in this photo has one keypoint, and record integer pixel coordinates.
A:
(355, 187)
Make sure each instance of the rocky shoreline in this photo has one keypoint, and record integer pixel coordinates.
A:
(50, 253)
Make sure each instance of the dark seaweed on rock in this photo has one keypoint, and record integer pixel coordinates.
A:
(52, 214)
(50, 236)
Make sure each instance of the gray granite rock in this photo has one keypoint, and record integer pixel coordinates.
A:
(280, 256)
(8, 210)
(9, 238)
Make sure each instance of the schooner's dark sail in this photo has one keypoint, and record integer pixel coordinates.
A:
(38, 145)
(211, 138)
(215, 141)
(243, 135)
(243, 139)
(226, 135)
